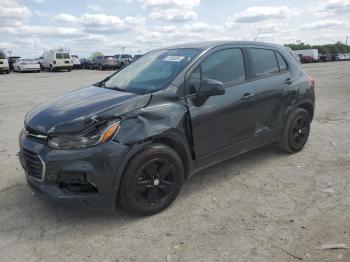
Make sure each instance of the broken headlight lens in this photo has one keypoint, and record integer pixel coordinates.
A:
(93, 138)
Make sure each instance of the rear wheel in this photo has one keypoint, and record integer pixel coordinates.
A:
(296, 131)
(152, 180)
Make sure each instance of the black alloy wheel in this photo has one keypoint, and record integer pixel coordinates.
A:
(300, 131)
(154, 181)
(296, 131)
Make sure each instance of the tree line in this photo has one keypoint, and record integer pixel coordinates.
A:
(322, 49)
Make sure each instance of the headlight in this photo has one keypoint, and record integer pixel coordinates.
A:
(93, 138)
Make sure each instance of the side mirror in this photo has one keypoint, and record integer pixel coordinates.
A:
(211, 87)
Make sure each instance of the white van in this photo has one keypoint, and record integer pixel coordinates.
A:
(56, 59)
(4, 63)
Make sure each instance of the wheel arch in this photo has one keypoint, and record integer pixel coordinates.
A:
(306, 104)
(309, 108)
(177, 143)
(171, 139)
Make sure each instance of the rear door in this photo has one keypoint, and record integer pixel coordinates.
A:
(221, 122)
(271, 78)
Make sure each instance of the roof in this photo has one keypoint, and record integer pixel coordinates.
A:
(212, 44)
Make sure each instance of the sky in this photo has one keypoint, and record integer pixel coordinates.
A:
(28, 27)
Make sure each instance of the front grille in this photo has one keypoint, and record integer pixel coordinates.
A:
(34, 165)
(36, 136)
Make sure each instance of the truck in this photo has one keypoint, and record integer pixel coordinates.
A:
(313, 53)
(123, 59)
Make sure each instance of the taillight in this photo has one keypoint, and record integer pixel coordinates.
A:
(54, 61)
(312, 81)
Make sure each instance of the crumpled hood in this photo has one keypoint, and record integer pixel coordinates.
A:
(75, 110)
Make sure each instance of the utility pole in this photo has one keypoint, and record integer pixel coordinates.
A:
(123, 48)
(347, 39)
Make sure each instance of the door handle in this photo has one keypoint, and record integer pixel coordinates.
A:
(247, 96)
(288, 81)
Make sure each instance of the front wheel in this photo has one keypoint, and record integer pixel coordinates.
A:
(152, 180)
(296, 131)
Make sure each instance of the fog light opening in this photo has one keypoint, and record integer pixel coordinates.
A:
(76, 183)
(79, 188)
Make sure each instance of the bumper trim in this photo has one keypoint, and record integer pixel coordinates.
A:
(43, 171)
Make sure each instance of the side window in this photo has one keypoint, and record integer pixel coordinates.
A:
(225, 66)
(281, 62)
(264, 61)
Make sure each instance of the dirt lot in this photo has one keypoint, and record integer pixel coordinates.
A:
(263, 206)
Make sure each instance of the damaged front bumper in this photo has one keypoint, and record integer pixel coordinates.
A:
(78, 177)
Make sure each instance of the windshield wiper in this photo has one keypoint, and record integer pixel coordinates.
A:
(103, 85)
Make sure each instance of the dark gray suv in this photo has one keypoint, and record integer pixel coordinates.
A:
(135, 136)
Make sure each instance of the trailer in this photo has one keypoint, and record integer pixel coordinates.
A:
(308, 52)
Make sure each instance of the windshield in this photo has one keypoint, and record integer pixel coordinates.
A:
(153, 71)
(66, 55)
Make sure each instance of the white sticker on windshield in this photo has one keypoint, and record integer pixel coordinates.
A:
(174, 58)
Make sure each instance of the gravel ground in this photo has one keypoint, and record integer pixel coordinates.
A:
(263, 206)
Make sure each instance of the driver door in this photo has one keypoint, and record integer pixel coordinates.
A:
(223, 124)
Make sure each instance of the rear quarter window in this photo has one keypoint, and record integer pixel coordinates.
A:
(2, 55)
(264, 61)
(281, 62)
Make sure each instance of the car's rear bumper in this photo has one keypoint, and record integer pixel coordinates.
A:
(63, 67)
(4, 68)
(30, 68)
(86, 177)
(109, 66)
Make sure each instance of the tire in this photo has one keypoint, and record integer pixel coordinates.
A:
(7, 72)
(296, 131)
(69, 70)
(159, 173)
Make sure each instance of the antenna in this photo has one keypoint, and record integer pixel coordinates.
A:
(257, 34)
